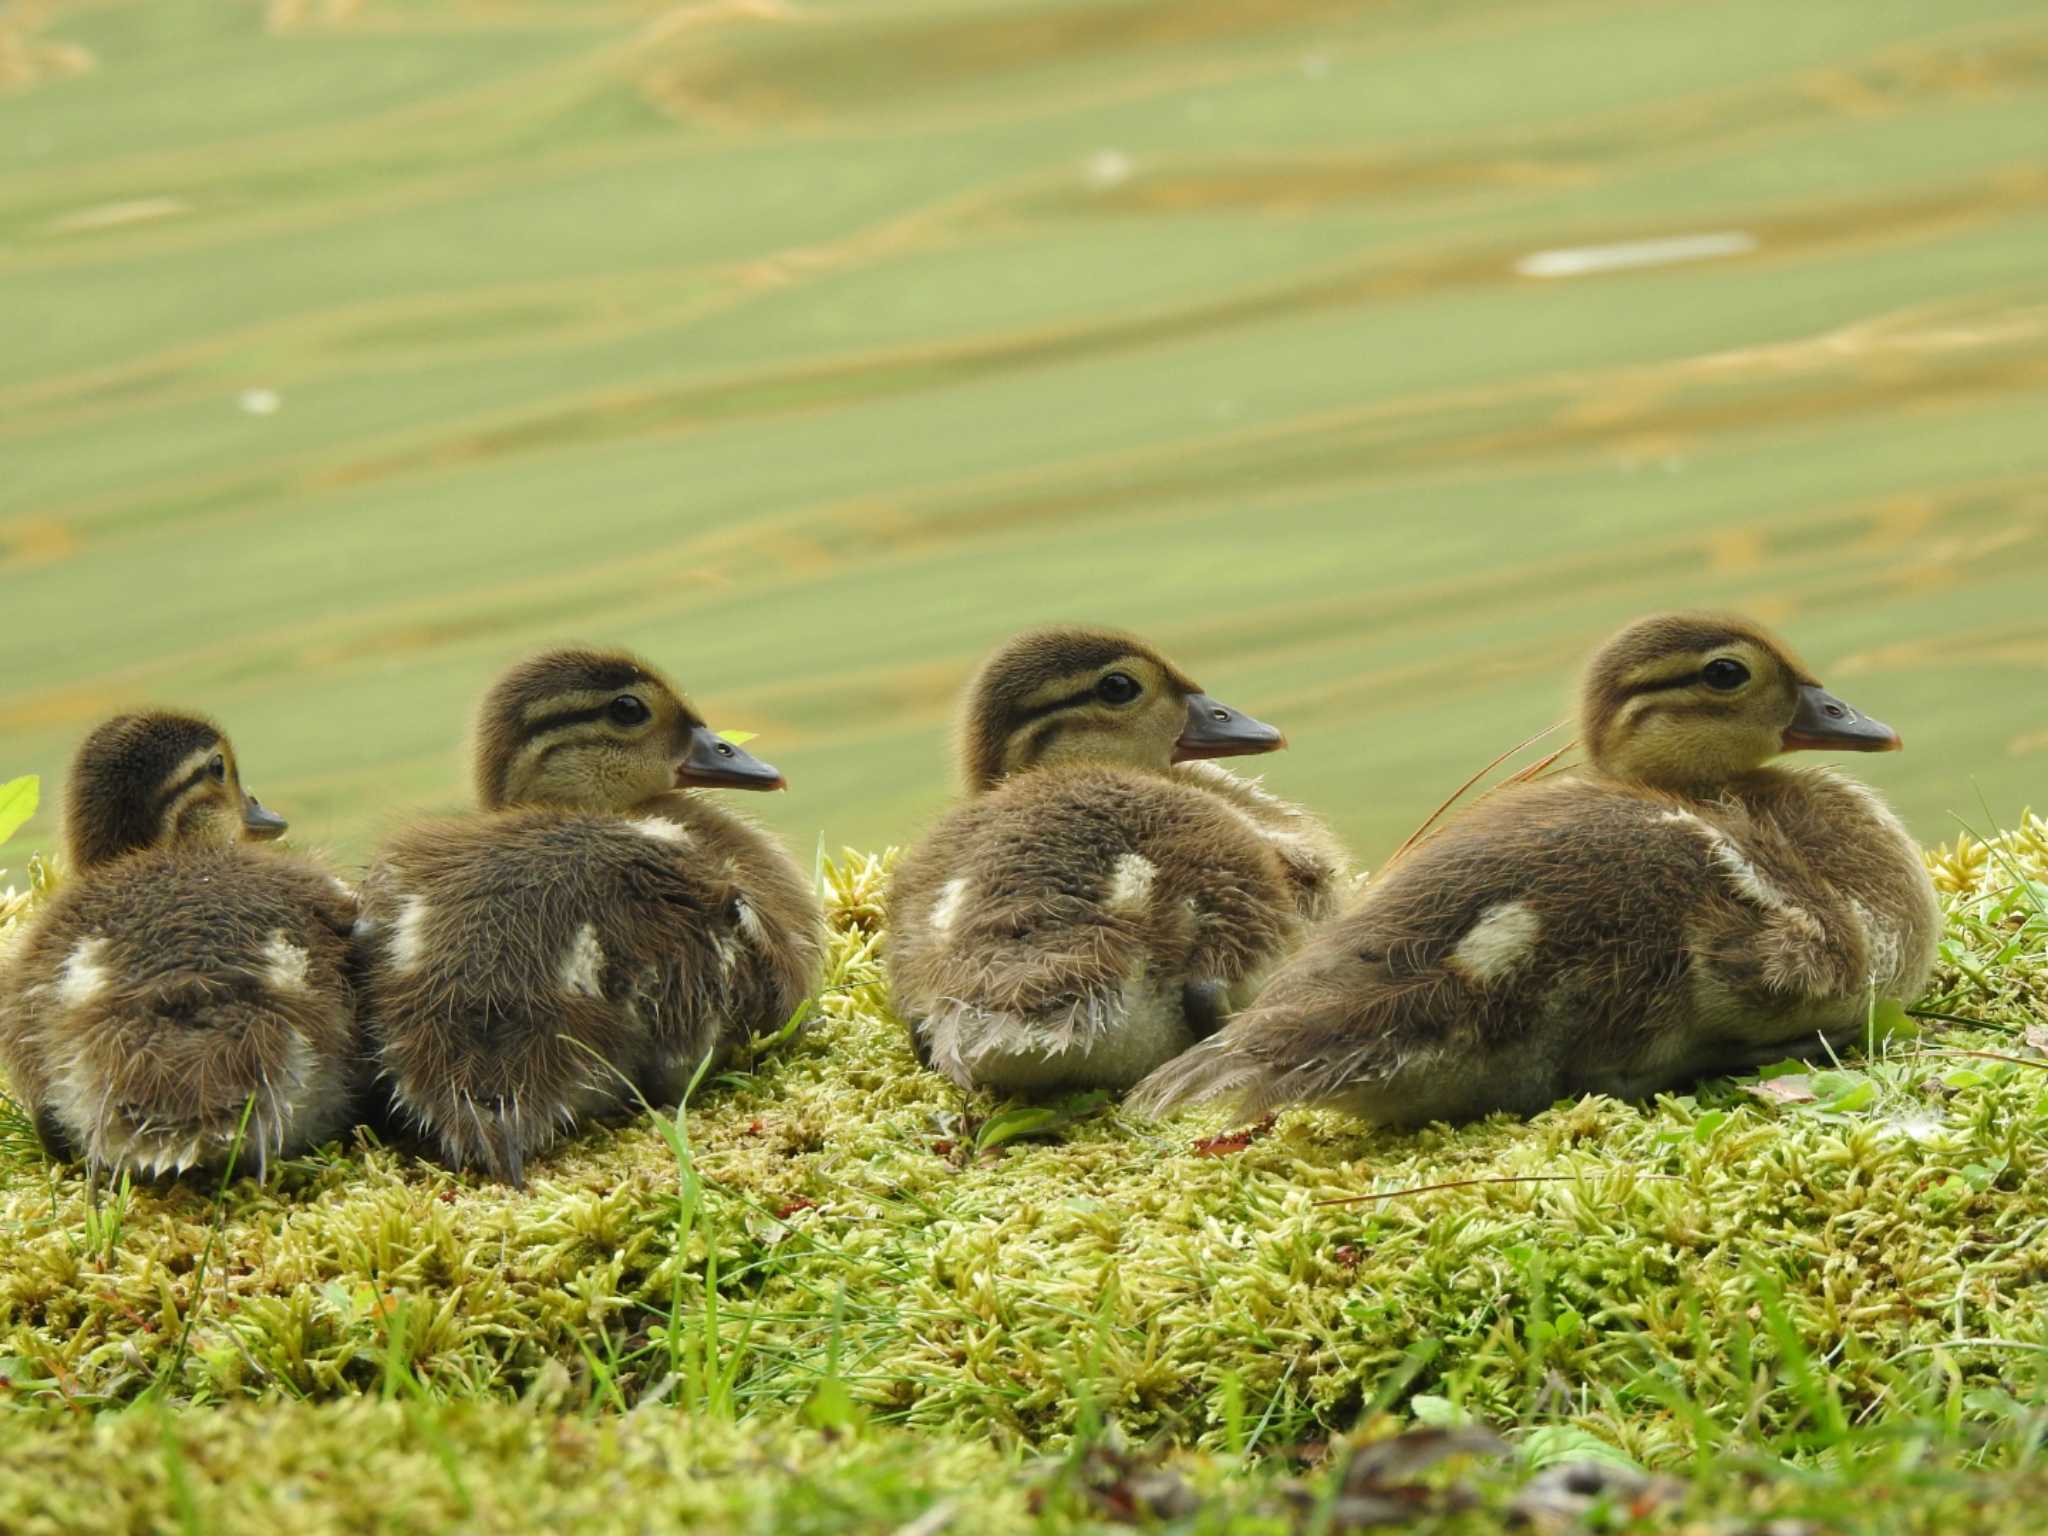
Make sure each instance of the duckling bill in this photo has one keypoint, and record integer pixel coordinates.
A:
(1105, 895)
(600, 934)
(183, 994)
(1678, 908)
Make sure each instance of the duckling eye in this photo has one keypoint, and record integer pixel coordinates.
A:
(1118, 688)
(628, 710)
(1724, 674)
(218, 768)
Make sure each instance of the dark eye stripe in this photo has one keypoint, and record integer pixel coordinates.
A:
(203, 771)
(566, 718)
(1023, 717)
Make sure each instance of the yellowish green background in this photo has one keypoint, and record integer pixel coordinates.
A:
(349, 348)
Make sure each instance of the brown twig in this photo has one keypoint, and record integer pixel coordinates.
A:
(1507, 1178)
(1956, 1050)
(1457, 794)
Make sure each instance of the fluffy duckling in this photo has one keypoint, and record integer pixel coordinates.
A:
(597, 934)
(1092, 909)
(1676, 909)
(180, 977)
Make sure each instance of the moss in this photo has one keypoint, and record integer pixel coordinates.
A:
(822, 1238)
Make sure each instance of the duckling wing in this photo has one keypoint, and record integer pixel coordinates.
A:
(1476, 974)
(1318, 867)
(779, 925)
(1049, 933)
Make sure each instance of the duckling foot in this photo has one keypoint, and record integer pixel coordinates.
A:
(1207, 1005)
(57, 1142)
(497, 1145)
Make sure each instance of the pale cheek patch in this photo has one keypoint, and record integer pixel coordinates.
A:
(284, 963)
(947, 907)
(661, 830)
(1130, 886)
(582, 972)
(1502, 939)
(409, 934)
(84, 976)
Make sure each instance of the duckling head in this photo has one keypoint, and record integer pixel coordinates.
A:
(1093, 696)
(156, 779)
(1688, 700)
(602, 731)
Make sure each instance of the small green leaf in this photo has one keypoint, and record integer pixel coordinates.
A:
(1789, 1067)
(1553, 1443)
(1437, 1412)
(738, 738)
(831, 1406)
(1890, 1021)
(1703, 1129)
(1979, 1177)
(1844, 1092)
(18, 801)
(1008, 1124)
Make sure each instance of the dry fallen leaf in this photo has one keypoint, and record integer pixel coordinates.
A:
(1795, 1088)
(1233, 1141)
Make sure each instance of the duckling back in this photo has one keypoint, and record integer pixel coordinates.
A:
(541, 967)
(1075, 929)
(158, 1000)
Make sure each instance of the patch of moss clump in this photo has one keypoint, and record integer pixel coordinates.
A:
(822, 1235)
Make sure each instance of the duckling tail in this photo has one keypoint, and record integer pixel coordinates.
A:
(190, 1072)
(1212, 1070)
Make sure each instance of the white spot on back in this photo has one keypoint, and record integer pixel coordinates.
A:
(582, 970)
(284, 963)
(84, 976)
(409, 934)
(1502, 938)
(750, 924)
(661, 829)
(1130, 886)
(947, 907)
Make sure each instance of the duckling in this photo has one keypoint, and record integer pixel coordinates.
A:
(1675, 909)
(180, 978)
(598, 933)
(1106, 893)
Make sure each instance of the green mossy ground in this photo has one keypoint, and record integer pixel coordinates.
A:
(843, 1295)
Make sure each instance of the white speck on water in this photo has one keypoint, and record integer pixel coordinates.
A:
(1582, 260)
(260, 402)
(1109, 168)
